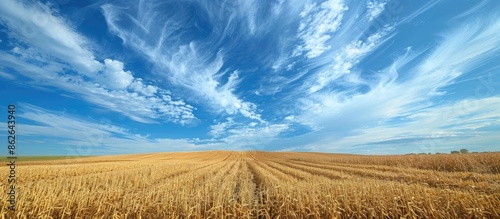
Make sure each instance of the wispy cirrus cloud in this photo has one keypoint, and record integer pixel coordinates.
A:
(252, 136)
(347, 58)
(84, 136)
(374, 8)
(190, 64)
(141, 107)
(332, 38)
(357, 34)
(37, 24)
(463, 124)
(52, 53)
(318, 22)
(406, 108)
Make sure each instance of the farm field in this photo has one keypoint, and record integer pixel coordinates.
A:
(38, 158)
(228, 184)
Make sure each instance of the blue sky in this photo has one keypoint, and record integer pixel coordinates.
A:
(365, 77)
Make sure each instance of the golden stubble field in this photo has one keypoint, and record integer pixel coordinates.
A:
(226, 184)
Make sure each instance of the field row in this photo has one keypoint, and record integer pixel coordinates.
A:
(222, 184)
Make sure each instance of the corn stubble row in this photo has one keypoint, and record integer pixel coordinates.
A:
(225, 184)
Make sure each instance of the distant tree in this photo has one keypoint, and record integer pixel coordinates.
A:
(455, 152)
(464, 151)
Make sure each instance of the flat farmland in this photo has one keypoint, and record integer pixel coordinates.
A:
(228, 184)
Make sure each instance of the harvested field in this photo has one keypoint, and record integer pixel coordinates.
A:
(226, 184)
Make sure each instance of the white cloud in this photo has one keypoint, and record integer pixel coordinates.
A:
(420, 11)
(479, 8)
(258, 18)
(54, 124)
(147, 90)
(317, 24)
(374, 8)
(83, 136)
(113, 75)
(189, 70)
(335, 37)
(437, 129)
(348, 57)
(254, 138)
(398, 109)
(465, 47)
(134, 105)
(37, 24)
(193, 66)
(232, 134)
(7, 75)
(221, 127)
(51, 45)
(55, 38)
(249, 10)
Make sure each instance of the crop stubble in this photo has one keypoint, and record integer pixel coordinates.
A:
(227, 184)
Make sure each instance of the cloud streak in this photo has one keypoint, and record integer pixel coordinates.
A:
(189, 64)
(405, 108)
(317, 23)
(53, 47)
(83, 136)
